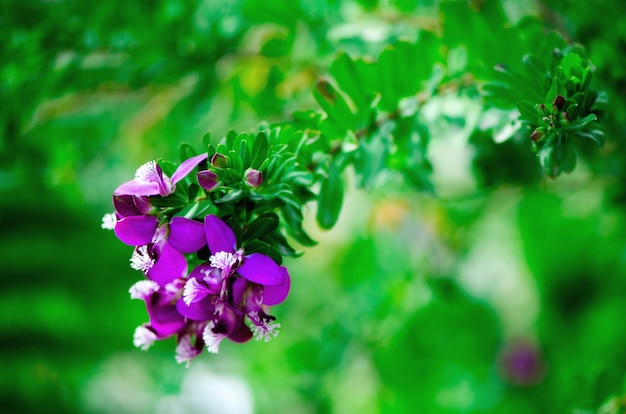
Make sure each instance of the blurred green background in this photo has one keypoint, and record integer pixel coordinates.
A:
(505, 293)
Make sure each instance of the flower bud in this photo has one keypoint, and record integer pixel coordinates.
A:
(558, 102)
(219, 161)
(208, 180)
(254, 178)
(537, 135)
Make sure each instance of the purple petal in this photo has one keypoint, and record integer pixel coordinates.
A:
(220, 237)
(227, 319)
(239, 288)
(125, 205)
(259, 268)
(254, 178)
(132, 187)
(186, 166)
(209, 275)
(165, 320)
(202, 310)
(241, 333)
(208, 180)
(136, 230)
(170, 264)
(143, 205)
(186, 235)
(273, 295)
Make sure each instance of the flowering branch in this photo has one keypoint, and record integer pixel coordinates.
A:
(210, 234)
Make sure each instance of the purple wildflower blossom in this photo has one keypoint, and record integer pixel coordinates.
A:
(159, 249)
(150, 180)
(231, 286)
(165, 321)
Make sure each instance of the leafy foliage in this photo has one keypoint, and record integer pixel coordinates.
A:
(462, 261)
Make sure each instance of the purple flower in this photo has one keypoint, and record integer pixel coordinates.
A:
(159, 249)
(231, 286)
(165, 321)
(208, 180)
(253, 178)
(521, 363)
(150, 180)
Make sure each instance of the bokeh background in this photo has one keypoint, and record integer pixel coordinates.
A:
(503, 293)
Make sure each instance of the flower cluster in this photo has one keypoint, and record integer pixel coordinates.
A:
(200, 285)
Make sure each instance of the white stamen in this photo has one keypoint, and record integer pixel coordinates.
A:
(109, 220)
(262, 329)
(141, 260)
(223, 260)
(143, 289)
(143, 338)
(194, 291)
(185, 351)
(147, 173)
(212, 339)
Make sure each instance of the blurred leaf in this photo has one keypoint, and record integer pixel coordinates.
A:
(330, 197)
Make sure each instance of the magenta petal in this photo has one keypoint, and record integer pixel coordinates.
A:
(241, 333)
(259, 268)
(125, 205)
(170, 264)
(202, 310)
(208, 180)
(239, 288)
(165, 320)
(136, 230)
(186, 235)
(220, 237)
(143, 204)
(228, 320)
(186, 166)
(209, 275)
(273, 295)
(132, 187)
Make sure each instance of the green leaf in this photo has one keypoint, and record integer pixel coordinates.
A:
(595, 135)
(278, 241)
(230, 176)
(340, 117)
(571, 63)
(582, 122)
(256, 246)
(232, 196)
(230, 138)
(206, 139)
(556, 89)
(168, 167)
(568, 158)
(193, 191)
(177, 199)
(330, 198)
(260, 148)
(186, 151)
(222, 149)
(244, 153)
(355, 77)
(234, 224)
(528, 111)
(235, 161)
(293, 220)
(262, 225)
